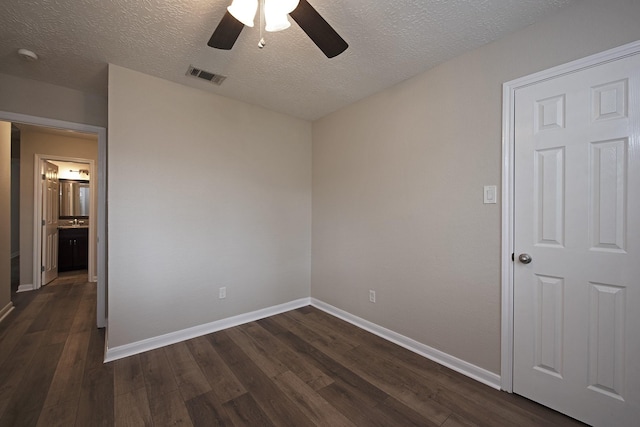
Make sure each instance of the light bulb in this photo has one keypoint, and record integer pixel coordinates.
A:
(244, 11)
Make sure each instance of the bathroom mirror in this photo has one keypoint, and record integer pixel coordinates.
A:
(74, 198)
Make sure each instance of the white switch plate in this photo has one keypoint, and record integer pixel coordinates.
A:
(490, 194)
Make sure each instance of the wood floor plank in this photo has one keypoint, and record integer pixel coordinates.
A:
(20, 322)
(325, 336)
(294, 361)
(261, 355)
(395, 377)
(96, 403)
(310, 403)
(396, 409)
(206, 410)
(62, 415)
(66, 306)
(223, 382)
(16, 366)
(127, 375)
(158, 377)
(361, 378)
(335, 329)
(67, 381)
(132, 409)
(457, 421)
(328, 365)
(356, 406)
(245, 411)
(43, 322)
(169, 409)
(86, 310)
(95, 353)
(273, 402)
(399, 382)
(26, 403)
(190, 379)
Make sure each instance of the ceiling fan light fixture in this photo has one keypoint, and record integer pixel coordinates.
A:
(287, 6)
(277, 25)
(244, 11)
(275, 16)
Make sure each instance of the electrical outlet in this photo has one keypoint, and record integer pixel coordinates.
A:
(222, 292)
(372, 296)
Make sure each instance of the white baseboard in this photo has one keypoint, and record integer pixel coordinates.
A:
(452, 362)
(26, 288)
(4, 312)
(138, 347)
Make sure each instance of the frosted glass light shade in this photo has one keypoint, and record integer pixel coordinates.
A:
(275, 13)
(244, 11)
(277, 23)
(275, 19)
(287, 6)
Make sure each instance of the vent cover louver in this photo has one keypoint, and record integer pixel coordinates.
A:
(216, 79)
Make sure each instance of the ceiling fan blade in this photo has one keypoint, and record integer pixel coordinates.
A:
(318, 30)
(226, 33)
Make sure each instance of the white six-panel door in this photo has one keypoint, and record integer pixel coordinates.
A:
(577, 215)
(50, 214)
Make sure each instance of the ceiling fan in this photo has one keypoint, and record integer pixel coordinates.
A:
(242, 12)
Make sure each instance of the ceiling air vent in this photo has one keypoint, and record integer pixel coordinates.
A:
(216, 79)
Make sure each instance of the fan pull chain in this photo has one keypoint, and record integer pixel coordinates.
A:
(262, 42)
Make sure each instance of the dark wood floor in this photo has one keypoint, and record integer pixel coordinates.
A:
(301, 368)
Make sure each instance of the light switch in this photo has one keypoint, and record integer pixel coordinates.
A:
(490, 195)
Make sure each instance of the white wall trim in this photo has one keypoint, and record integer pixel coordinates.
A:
(26, 287)
(6, 310)
(126, 350)
(452, 362)
(508, 148)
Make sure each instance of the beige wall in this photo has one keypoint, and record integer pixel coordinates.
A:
(204, 192)
(33, 142)
(24, 96)
(397, 186)
(5, 214)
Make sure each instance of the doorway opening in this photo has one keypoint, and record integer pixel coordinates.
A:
(74, 214)
(98, 188)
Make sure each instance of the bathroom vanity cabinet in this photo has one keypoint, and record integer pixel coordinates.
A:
(73, 248)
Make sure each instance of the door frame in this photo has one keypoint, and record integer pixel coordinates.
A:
(37, 214)
(101, 231)
(508, 185)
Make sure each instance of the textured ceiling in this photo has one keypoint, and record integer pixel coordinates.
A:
(390, 41)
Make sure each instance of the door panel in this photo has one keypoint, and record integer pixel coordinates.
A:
(50, 213)
(577, 213)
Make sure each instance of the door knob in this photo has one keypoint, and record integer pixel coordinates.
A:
(525, 258)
